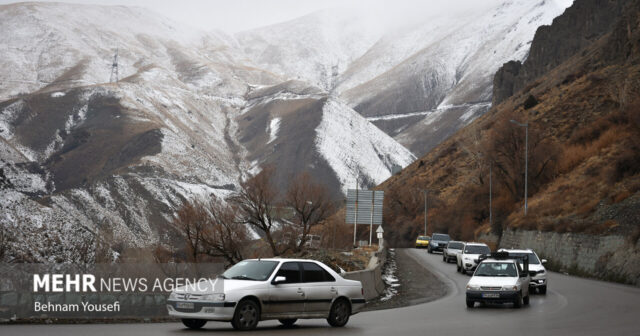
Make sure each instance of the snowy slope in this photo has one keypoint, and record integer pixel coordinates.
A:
(315, 48)
(55, 44)
(460, 52)
(356, 149)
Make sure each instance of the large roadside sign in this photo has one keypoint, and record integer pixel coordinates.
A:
(364, 206)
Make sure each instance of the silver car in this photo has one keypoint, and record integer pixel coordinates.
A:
(268, 289)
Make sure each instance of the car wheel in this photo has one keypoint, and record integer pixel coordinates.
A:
(462, 270)
(429, 250)
(288, 322)
(246, 316)
(444, 259)
(542, 290)
(525, 300)
(457, 268)
(470, 303)
(339, 314)
(517, 303)
(194, 323)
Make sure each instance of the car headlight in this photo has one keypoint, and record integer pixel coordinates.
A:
(473, 287)
(215, 297)
(506, 288)
(173, 296)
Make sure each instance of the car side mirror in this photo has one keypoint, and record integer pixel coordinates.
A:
(278, 280)
(544, 261)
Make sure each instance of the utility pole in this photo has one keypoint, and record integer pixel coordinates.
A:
(425, 191)
(490, 196)
(526, 159)
(373, 206)
(114, 69)
(355, 222)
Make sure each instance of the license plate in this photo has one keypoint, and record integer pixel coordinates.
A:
(490, 295)
(184, 305)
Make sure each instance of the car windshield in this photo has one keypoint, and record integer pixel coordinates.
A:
(256, 270)
(533, 260)
(455, 245)
(423, 238)
(476, 249)
(441, 237)
(494, 269)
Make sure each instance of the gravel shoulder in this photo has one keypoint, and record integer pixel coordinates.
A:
(416, 283)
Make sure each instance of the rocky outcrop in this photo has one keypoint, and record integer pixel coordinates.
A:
(579, 26)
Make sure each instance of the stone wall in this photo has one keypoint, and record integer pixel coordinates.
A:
(613, 258)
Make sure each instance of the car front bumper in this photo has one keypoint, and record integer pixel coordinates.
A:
(538, 282)
(470, 267)
(213, 311)
(438, 248)
(492, 296)
(422, 244)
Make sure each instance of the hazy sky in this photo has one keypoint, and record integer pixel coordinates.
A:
(237, 15)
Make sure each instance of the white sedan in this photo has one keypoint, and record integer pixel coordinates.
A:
(269, 289)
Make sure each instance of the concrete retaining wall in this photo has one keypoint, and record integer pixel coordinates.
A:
(613, 257)
(371, 278)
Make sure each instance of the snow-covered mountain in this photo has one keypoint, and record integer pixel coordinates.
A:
(419, 82)
(191, 116)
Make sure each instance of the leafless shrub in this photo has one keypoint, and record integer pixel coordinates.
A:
(257, 204)
(311, 204)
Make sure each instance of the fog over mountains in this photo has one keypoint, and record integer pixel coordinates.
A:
(195, 112)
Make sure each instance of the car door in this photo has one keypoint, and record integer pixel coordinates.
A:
(286, 298)
(320, 288)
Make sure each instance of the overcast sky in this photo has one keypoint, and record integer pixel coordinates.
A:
(238, 15)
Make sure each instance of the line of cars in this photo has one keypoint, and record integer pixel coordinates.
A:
(504, 276)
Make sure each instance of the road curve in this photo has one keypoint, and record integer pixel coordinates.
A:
(572, 306)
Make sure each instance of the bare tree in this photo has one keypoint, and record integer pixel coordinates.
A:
(211, 230)
(506, 151)
(311, 205)
(224, 235)
(192, 220)
(257, 204)
(4, 242)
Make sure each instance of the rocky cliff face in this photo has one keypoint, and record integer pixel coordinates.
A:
(580, 25)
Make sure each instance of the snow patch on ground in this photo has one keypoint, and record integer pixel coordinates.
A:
(389, 277)
(273, 128)
(57, 94)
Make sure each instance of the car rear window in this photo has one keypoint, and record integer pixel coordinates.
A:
(312, 272)
(441, 237)
(477, 249)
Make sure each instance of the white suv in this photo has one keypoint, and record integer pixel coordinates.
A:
(466, 260)
(536, 269)
(499, 279)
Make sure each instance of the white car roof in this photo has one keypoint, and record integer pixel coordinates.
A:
(477, 244)
(517, 250)
(282, 259)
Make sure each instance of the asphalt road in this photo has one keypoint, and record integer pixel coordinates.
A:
(572, 306)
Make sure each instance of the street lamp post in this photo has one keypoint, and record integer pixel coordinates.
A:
(425, 191)
(526, 159)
